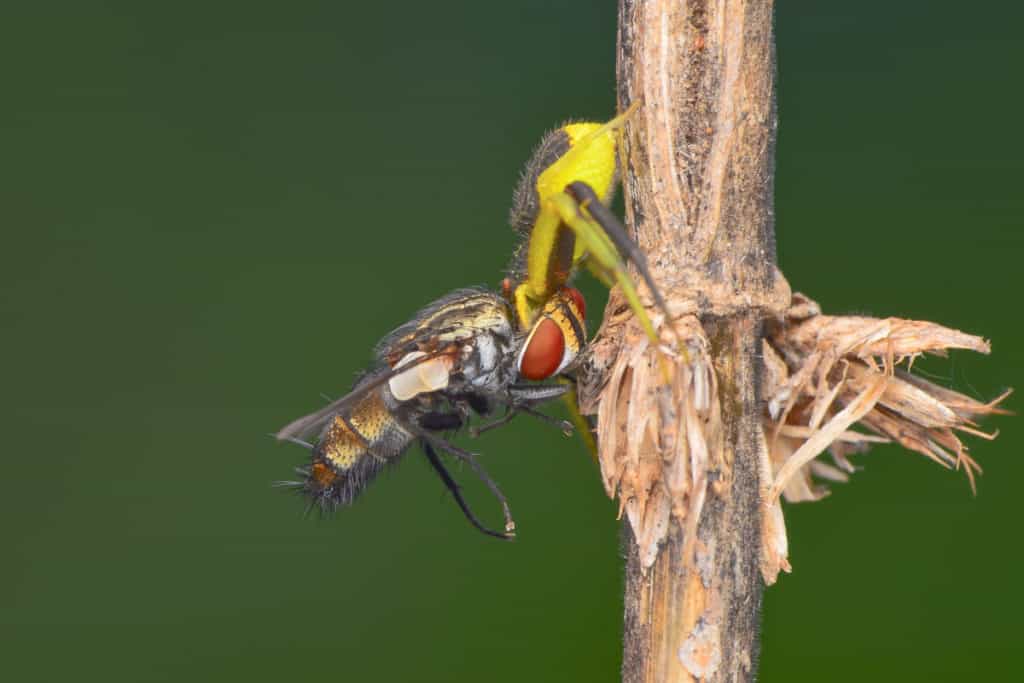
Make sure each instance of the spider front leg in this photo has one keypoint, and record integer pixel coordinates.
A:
(616, 231)
(608, 245)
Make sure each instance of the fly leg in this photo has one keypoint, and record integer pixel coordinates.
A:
(518, 399)
(563, 425)
(470, 458)
(452, 486)
(523, 397)
(503, 420)
(442, 422)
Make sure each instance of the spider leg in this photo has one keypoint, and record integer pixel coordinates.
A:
(601, 276)
(629, 250)
(604, 256)
(549, 263)
(456, 492)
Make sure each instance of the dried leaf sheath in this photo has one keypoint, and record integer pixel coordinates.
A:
(657, 438)
(826, 374)
(822, 377)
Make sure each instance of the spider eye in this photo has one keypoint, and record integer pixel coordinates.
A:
(543, 352)
(577, 297)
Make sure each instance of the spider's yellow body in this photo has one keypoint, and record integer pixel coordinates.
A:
(561, 208)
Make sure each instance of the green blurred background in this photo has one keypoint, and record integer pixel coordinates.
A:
(212, 211)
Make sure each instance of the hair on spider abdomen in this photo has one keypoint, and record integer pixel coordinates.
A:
(525, 202)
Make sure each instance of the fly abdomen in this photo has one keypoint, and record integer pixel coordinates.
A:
(351, 451)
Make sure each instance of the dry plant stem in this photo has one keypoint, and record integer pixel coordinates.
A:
(698, 164)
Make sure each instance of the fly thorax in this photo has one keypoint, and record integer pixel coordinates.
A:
(486, 362)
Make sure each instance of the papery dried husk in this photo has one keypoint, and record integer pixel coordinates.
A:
(824, 376)
(829, 383)
(658, 423)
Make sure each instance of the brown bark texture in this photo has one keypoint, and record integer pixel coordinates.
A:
(697, 173)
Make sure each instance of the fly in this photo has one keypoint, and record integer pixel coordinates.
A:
(464, 354)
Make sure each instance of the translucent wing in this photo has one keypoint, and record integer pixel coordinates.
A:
(436, 330)
(311, 425)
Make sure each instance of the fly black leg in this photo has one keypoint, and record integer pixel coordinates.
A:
(466, 456)
(533, 394)
(518, 400)
(563, 425)
(521, 399)
(504, 419)
(441, 422)
(452, 486)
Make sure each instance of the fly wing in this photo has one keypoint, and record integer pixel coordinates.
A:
(311, 425)
(436, 330)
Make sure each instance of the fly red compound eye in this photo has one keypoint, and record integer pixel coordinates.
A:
(544, 350)
(577, 297)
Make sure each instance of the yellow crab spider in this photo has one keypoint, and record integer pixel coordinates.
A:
(560, 208)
